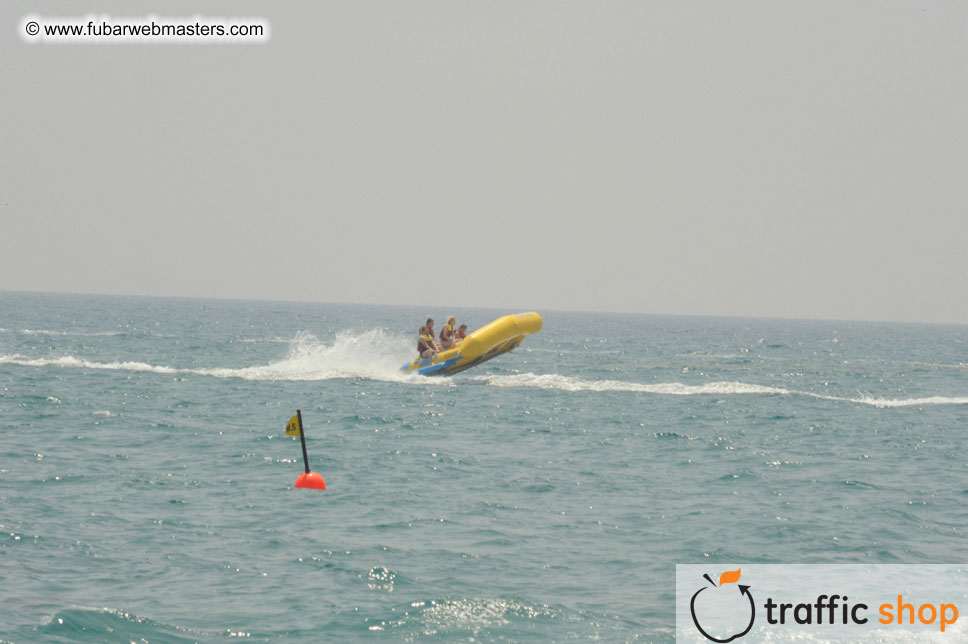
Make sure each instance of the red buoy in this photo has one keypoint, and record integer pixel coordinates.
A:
(312, 480)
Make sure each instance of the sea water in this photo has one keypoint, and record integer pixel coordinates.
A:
(146, 481)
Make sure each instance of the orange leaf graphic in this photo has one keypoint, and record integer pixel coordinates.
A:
(729, 577)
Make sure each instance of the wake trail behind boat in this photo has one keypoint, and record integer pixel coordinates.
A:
(376, 355)
(721, 388)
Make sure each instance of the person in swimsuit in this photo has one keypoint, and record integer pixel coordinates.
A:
(460, 333)
(426, 346)
(447, 334)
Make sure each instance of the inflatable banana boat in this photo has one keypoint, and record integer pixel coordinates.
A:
(500, 336)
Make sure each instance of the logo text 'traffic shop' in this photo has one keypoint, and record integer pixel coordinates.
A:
(726, 611)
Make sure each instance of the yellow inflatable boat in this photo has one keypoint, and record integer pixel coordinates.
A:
(500, 336)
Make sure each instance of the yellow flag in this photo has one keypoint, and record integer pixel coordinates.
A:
(292, 427)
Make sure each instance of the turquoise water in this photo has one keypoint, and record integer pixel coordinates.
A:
(146, 484)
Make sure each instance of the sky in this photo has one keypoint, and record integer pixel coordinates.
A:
(759, 159)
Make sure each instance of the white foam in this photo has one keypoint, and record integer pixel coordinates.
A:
(720, 388)
(70, 362)
(909, 402)
(377, 355)
(49, 332)
(566, 383)
(373, 354)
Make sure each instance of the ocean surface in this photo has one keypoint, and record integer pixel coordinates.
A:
(146, 482)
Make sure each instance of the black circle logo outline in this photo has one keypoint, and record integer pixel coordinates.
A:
(692, 609)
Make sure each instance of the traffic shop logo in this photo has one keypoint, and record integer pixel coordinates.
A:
(725, 611)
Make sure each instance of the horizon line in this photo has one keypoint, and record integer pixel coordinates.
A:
(255, 299)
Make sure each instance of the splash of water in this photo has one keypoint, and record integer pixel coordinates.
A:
(377, 355)
(374, 354)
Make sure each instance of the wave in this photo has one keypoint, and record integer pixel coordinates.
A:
(113, 625)
(373, 354)
(474, 618)
(86, 334)
(722, 388)
(907, 402)
(567, 383)
(377, 355)
(70, 362)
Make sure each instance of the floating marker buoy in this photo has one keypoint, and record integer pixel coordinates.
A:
(310, 480)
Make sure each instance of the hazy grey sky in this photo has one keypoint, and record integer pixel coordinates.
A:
(795, 159)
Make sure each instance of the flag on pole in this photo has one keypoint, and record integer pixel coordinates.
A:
(294, 428)
(308, 478)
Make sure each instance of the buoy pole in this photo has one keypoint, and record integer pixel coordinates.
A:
(302, 439)
(307, 479)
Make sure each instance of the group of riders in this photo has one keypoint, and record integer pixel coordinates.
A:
(428, 347)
